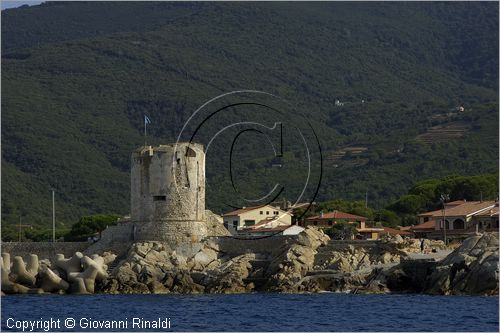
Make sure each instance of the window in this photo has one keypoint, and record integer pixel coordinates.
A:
(226, 225)
(261, 213)
(458, 224)
(249, 222)
(276, 213)
(330, 222)
(190, 152)
(426, 219)
(235, 224)
(315, 222)
(159, 198)
(267, 212)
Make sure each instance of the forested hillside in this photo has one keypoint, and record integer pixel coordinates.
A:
(78, 77)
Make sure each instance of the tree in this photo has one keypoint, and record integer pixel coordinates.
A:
(408, 204)
(342, 230)
(89, 225)
(388, 218)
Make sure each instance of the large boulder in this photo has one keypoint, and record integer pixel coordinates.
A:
(312, 237)
(472, 268)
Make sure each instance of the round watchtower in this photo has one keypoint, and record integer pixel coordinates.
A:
(168, 193)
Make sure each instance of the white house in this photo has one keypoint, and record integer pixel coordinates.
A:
(258, 216)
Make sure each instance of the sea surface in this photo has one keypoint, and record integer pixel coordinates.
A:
(251, 312)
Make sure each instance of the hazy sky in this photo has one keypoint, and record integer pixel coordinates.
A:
(14, 4)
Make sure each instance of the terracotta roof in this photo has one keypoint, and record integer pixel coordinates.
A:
(455, 203)
(392, 231)
(405, 228)
(438, 212)
(336, 214)
(489, 212)
(425, 226)
(465, 209)
(469, 208)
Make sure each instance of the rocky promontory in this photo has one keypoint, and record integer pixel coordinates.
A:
(308, 262)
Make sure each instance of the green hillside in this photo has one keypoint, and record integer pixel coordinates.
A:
(77, 79)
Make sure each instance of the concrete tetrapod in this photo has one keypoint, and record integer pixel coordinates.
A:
(8, 286)
(19, 274)
(51, 282)
(6, 261)
(71, 265)
(33, 265)
(77, 274)
(98, 263)
(78, 286)
(87, 277)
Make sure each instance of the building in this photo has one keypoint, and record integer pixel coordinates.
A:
(167, 199)
(486, 220)
(425, 229)
(329, 219)
(424, 217)
(461, 218)
(168, 193)
(256, 216)
(372, 233)
(378, 231)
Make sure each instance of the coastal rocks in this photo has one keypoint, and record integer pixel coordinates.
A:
(230, 277)
(411, 245)
(471, 269)
(352, 258)
(152, 267)
(288, 268)
(312, 237)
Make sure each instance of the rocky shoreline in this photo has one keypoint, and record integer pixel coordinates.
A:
(311, 262)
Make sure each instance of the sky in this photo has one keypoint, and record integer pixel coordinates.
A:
(19, 3)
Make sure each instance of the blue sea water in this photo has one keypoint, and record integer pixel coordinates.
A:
(258, 312)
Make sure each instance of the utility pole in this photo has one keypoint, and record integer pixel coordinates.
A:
(443, 199)
(53, 217)
(19, 228)
(366, 199)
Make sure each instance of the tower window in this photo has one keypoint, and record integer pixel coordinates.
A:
(190, 152)
(159, 198)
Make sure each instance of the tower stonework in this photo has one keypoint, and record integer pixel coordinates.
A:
(168, 193)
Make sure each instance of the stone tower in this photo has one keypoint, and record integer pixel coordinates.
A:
(168, 193)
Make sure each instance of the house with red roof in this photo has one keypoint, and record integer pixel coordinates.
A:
(325, 220)
(457, 219)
